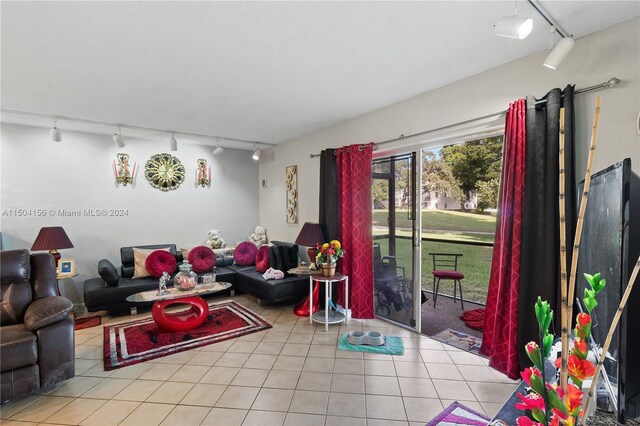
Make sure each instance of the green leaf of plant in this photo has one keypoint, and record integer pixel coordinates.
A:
(547, 342)
(597, 287)
(589, 300)
(537, 384)
(556, 402)
(538, 415)
(589, 278)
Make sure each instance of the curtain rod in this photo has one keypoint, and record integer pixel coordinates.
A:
(612, 82)
(130, 126)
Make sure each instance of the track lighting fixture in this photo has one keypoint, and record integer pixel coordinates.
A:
(118, 139)
(218, 149)
(256, 154)
(559, 53)
(55, 133)
(173, 143)
(514, 26)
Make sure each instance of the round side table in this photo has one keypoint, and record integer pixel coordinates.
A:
(323, 317)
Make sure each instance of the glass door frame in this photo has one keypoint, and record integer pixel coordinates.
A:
(416, 244)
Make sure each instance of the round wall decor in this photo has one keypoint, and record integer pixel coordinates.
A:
(164, 172)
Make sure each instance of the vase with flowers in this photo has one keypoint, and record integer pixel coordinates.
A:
(327, 257)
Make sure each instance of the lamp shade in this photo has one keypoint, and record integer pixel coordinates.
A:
(310, 235)
(51, 238)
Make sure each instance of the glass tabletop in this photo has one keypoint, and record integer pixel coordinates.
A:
(174, 293)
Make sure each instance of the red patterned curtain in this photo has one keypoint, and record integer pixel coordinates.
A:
(500, 340)
(354, 181)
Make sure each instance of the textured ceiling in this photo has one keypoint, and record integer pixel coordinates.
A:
(268, 71)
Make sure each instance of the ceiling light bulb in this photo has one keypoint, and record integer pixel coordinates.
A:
(256, 154)
(557, 55)
(173, 143)
(513, 27)
(218, 150)
(118, 139)
(55, 133)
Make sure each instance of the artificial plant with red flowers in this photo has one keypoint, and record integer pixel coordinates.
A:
(546, 404)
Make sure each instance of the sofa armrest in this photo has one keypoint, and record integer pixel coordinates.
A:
(46, 311)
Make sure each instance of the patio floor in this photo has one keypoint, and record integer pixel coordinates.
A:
(446, 315)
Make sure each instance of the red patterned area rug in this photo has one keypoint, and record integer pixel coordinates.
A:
(137, 341)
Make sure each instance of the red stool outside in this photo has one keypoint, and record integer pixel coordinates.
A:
(185, 320)
(445, 267)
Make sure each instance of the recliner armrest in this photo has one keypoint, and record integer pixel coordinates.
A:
(46, 311)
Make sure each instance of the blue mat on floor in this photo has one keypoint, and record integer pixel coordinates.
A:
(392, 346)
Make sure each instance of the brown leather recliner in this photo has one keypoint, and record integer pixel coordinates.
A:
(36, 326)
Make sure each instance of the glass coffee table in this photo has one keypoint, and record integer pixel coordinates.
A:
(184, 320)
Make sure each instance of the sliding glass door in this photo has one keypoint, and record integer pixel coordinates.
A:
(395, 239)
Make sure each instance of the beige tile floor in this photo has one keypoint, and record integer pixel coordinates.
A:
(292, 374)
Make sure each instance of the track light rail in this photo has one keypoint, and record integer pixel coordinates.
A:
(133, 127)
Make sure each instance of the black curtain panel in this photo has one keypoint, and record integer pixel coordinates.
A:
(540, 253)
(329, 217)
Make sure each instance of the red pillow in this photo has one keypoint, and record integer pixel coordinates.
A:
(160, 261)
(202, 259)
(262, 259)
(245, 253)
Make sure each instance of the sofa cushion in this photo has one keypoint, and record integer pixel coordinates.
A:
(140, 261)
(262, 259)
(202, 259)
(18, 347)
(158, 262)
(245, 253)
(97, 296)
(108, 272)
(126, 256)
(290, 288)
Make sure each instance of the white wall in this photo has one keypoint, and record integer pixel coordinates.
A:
(77, 174)
(594, 59)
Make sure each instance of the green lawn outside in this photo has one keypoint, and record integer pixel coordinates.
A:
(451, 225)
(442, 220)
(475, 264)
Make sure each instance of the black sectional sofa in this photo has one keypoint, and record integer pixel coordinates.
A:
(110, 290)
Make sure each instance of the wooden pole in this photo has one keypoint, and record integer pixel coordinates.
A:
(576, 242)
(607, 342)
(563, 263)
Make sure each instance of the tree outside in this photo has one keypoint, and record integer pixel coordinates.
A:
(464, 170)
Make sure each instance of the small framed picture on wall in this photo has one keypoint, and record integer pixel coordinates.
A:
(66, 267)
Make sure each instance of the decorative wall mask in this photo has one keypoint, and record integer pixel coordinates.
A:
(164, 172)
(121, 171)
(203, 176)
(291, 184)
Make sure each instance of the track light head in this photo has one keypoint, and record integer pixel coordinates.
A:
(218, 150)
(559, 53)
(118, 139)
(173, 143)
(256, 154)
(55, 133)
(513, 27)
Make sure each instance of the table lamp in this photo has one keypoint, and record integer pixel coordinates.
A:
(52, 238)
(310, 235)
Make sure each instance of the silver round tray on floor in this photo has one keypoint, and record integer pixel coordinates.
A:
(335, 319)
